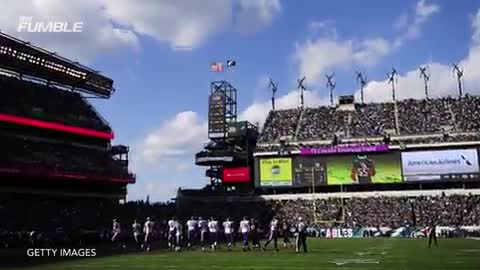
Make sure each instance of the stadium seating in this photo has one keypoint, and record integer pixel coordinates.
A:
(280, 123)
(365, 211)
(21, 152)
(415, 118)
(29, 99)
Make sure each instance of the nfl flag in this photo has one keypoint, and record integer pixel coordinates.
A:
(217, 67)
(231, 63)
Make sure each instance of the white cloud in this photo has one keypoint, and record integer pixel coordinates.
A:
(476, 28)
(112, 24)
(175, 139)
(99, 34)
(256, 14)
(423, 11)
(316, 56)
(442, 81)
(319, 56)
(180, 23)
(258, 111)
(164, 158)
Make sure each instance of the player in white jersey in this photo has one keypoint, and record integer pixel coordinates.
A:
(244, 229)
(192, 225)
(213, 229)
(116, 234)
(137, 233)
(116, 230)
(203, 227)
(228, 230)
(178, 235)
(171, 233)
(273, 234)
(301, 235)
(148, 228)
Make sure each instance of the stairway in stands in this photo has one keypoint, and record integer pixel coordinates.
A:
(297, 130)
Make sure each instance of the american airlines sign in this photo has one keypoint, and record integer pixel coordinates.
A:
(431, 165)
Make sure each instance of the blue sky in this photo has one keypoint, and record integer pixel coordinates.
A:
(159, 52)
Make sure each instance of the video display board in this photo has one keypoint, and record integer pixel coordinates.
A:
(276, 171)
(236, 175)
(216, 115)
(440, 165)
(364, 169)
(369, 168)
(308, 169)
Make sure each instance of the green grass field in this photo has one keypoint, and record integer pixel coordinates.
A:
(327, 254)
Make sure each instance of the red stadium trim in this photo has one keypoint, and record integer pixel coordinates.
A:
(55, 126)
(65, 175)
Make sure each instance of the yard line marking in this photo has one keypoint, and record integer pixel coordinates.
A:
(221, 266)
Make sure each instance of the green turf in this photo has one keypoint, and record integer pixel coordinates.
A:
(342, 254)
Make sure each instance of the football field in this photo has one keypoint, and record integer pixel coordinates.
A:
(327, 254)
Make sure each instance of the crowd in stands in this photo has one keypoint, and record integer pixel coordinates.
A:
(280, 123)
(27, 153)
(415, 117)
(39, 101)
(332, 122)
(394, 212)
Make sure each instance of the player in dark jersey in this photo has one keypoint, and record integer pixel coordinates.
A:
(254, 234)
(432, 235)
(301, 236)
(285, 231)
(363, 170)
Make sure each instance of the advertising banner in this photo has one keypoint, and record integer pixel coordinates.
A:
(364, 169)
(360, 148)
(276, 172)
(236, 175)
(440, 165)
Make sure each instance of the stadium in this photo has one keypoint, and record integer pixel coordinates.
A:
(350, 185)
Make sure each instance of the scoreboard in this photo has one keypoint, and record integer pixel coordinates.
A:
(216, 116)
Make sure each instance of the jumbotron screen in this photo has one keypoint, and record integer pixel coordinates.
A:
(369, 168)
(364, 169)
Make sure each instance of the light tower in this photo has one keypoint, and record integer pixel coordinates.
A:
(392, 79)
(425, 75)
(331, 85)
(302, 88)
(362, 79)
(274, 87)
(459, 72)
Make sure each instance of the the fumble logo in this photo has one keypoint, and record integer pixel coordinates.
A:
(27, 24)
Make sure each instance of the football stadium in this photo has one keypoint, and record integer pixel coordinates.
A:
(346, 184)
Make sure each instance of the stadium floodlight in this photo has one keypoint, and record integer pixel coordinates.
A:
(274, 87)
(302, 88)
(362, 79)
(331, 84)
(392, 79)
(425, 75)
(459, 72)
